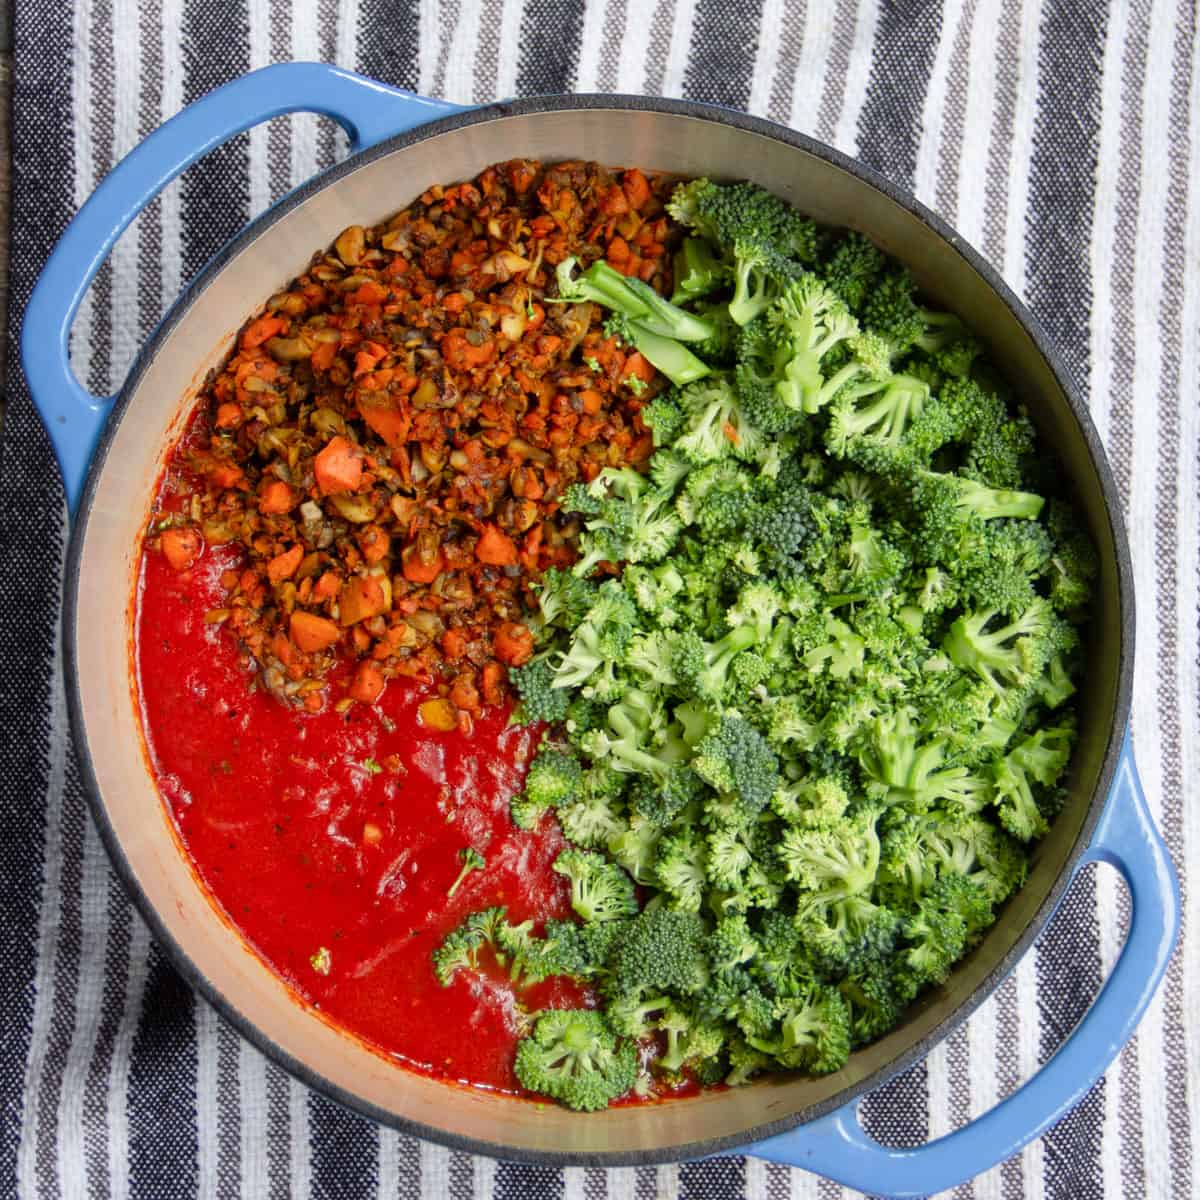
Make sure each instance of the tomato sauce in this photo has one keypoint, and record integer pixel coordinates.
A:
(331, 840)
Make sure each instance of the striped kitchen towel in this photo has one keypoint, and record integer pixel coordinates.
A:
(1058, 135)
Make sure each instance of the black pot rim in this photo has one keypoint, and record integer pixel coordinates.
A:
(545, 104)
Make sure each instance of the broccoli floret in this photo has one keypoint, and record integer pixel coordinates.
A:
(661, 801)
(736, 758)
(814, 1030)
(471, 860)
(702, 668)
(662, 950)
(873, 1004)
(599, 639)
(680, 868)
(760, 274)
(781, 528)
(1073, 562)
(810, 321)
(573, 1056)
(600, 890)
(540, 700)
(711, 413)
(762, 358)
(590, 821)
(665, 419)
(1004, 656)
(460, 948)
(564, 598)
(689, 1038)
(723, 213)
(852, 269)
(835, 859)
(554, 778)
(697, 271)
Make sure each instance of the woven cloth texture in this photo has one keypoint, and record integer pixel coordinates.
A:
(1059, 138)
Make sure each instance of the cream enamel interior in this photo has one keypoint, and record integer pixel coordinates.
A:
(687, 145)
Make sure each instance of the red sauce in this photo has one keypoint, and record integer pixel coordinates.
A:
(272, 805)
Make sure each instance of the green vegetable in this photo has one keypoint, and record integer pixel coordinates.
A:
(815, 722)
(471, 860)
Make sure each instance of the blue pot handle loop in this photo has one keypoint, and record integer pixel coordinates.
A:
(837, 1146)
(367, 110)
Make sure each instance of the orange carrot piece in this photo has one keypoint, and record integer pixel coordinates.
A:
(283, 566)
(312, 633)
(338, 467)
(391, 424)
(225, 474)
(416, 570)
(454, 644)
(259, 330)
(374, 543)
(496, 549)
(513, 643)
(327, 586)
(637, 190)
(368, 683)
(275, 496)
(322, 356)
(181, 547)
(639, 368)
(493, 683)
(360, 599)
(229, 415)
(369, 293)
(283, 649)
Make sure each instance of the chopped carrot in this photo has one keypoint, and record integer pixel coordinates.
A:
(323, 356)
(614, 203)
(513, 643)
(283, 566)
(312, 633)
(390, 423)
(639, 368)
(371, 354)
(372, 835)
(260, 330)
(328, 586)
(418, 570)
(637, 190)
(496, 549)
(181, 546)
(462, 354)
(338, 467)
(454, 644)
(375, 543)
(493, 683)
(282, 649)
(360, 599)
(229, 415)
(464, 695)
(275, 496)
(369, 293)
(618, 251)
(367, 685)
(225, 474)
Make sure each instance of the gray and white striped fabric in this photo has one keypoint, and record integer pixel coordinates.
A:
(1060, 138)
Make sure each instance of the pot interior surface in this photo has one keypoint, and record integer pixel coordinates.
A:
(160, 393)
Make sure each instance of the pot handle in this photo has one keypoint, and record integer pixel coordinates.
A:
(367, 110)
(837, 1146)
